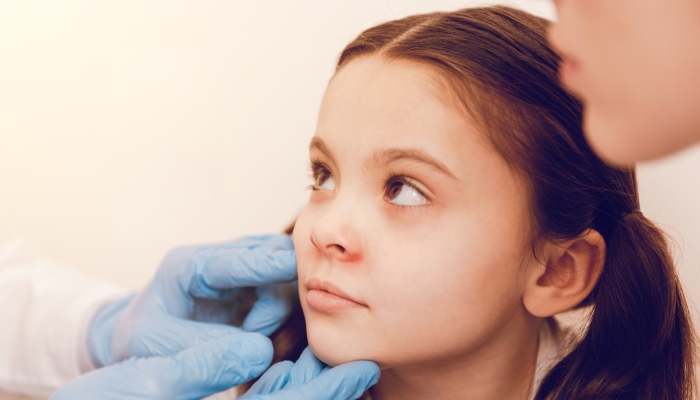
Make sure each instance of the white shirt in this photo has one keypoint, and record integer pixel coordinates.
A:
(45, 310)
(558, 336)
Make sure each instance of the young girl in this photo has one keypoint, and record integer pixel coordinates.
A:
(457, 209)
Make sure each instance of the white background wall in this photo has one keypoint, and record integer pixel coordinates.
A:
(129, 127)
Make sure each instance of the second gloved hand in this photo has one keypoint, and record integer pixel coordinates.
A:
(195, 294)
(310, 379)
(228, 361)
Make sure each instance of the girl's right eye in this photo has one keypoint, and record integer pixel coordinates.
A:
(323, 179)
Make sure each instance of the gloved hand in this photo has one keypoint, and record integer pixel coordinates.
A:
(311, 379)
(195, 293)
(229, 360)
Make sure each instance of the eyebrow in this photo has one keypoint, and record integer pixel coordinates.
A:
(387, 156)
(383, 157)
(319, 145)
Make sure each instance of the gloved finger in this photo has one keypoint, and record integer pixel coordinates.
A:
(169, 336)
(221, 363)
(305, 369)
(197, 372)
(273, 380)
(279, 241)
(344, 382)
(272, 240)
(271, 309)
(224, 269)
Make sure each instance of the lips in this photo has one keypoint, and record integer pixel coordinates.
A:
(568, 70)
(570, 66)
(326, 297)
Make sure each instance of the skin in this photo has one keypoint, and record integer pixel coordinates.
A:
(443, 280)
(635, 64)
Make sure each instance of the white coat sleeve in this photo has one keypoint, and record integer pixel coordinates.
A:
(45, 310)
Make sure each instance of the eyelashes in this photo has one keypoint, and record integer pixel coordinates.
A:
(403, 191)
(320, 174)
(397, 189)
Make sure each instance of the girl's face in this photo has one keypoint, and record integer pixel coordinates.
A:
(411, 245)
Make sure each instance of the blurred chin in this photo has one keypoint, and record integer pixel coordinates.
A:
(624, 142)
(611, 145)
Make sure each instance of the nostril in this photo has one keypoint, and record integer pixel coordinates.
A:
(337, 247)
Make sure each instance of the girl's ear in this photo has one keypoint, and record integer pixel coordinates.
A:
(566, 276)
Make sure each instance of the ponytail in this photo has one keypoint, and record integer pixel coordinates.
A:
(637, 344)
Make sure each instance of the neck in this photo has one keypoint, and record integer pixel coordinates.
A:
(501, 369)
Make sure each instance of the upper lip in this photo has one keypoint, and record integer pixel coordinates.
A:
(317, 284)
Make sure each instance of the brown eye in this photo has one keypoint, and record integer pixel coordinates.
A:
(393, 189)
(321, 176)
(323, 179)
(402, 193)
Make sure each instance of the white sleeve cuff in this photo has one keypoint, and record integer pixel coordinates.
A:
(84, 361)
(46, 310)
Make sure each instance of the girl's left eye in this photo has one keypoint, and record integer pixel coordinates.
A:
(399, 190)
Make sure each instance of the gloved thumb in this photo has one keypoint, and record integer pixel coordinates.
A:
(344, 382)
(197, 372)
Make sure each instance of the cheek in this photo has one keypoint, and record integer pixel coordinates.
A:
(470, 289)
(431, 295)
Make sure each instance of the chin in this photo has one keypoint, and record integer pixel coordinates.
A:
(623, 144)
(334, 347)
(612, 145)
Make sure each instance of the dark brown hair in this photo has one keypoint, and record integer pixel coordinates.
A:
(496, 61)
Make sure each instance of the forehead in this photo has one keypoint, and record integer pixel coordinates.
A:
(373, 102)
(374, 91)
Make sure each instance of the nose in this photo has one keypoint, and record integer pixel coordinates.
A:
(336, 233)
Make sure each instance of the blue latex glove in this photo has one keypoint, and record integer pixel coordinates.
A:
(229, 361)
(195, 292)
(311, 379)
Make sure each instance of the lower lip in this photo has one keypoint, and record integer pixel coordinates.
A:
(328, 302)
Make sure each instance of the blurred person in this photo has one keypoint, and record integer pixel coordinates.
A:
(636, 66)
